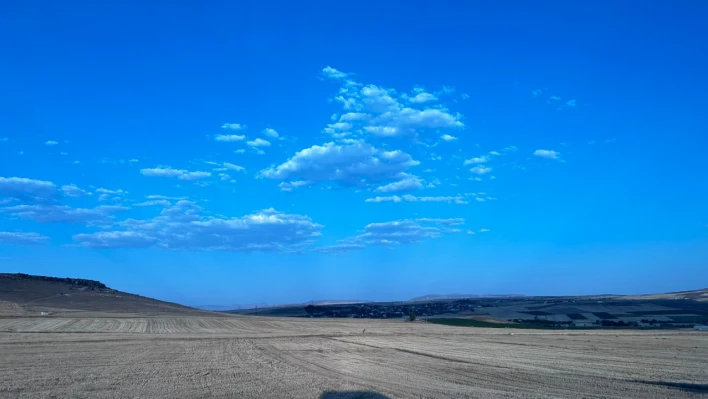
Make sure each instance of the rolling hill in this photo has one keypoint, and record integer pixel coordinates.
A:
(26, 295)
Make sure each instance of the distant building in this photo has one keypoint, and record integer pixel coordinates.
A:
(44, 313)
(701, 328)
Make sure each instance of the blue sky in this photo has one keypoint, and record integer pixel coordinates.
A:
(239, 152)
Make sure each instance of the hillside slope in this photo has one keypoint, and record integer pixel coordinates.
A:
(25, 295)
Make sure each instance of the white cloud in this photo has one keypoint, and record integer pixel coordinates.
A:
(259, 142)
(164, 197)
(233, 126)
(406, 184)
(288, 186)
(331, 73)
(480, 170)
(495, 153)
(398, 232)
(19, 238)
(471, 232)
(447, 137)
(182, 227)
(555, 98)
(71, 190)
(229, 137)
(63, 153)
(548, 154)
(51, 142)
(571, 103)
(354, 164)
(422, 98)
(476, 160)
(64, 214)
(240, 151)
(21, 187)
(537, 92)
(457, 199)
(270, 133)
(392, 198)
(76, 162)
(484, 230)
(162, 202)
(178, 173)
(510, 148)
(133, 161)
(234, 167)
(377, 110)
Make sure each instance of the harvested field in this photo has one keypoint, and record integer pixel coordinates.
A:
(180, 357)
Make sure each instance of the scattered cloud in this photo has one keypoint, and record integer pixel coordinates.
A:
(570, 103)
(178, 173)
(422, 97)
(64, 214)
(270, 133)
(51, 142)
(231, 166)
(476, 160)
(537, 92)
(548, 154)
(105, 194)
(233, 126)
(458, 199)
(288, 186)
(259, 142)
(406, 184)
(70, 190)
(447, 137)
(484, 230)
(229, 137)
(240, 151)
(481, 170)
(133, 160)
(353, 164)
(331, 73)
(165, 197)
(394, 233)
(21, 187)
(18, 238)
(555, 98)
(161, 202)
(183, 227)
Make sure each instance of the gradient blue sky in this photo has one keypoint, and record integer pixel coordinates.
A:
(238, 152)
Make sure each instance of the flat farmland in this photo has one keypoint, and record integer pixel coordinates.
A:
(263, 357)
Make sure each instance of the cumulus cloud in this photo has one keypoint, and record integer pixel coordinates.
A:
(480, 170)
(51, 143)
(71, 190)
(234, 167)
(353, 164)
(19, 238)
(383, 112)
(229, 137)
(457, 199)
(233, 126)
(106, 194)
(21, 187)
(331, 73)
(178, 173)
(406, 184)
(398, 232)
(183, 227)
(271, 133)
(548, 154)
(259, 142)
(64, 214)
(447, 137)
(476, 160)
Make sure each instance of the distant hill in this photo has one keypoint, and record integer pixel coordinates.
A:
(696, 295)
(435, 297)
(24, 294)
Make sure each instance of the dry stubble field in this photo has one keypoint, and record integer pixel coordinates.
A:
(192, 357)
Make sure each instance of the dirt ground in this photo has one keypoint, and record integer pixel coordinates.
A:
(258, 357)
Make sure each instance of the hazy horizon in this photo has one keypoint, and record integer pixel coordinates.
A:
(229, 154)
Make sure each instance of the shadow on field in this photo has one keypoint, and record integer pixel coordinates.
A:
(352, 395)
(684, 386)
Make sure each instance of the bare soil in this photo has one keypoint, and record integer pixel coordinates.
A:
(105, 356)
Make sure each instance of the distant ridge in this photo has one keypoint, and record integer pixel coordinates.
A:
(435, 297)
(25, 295)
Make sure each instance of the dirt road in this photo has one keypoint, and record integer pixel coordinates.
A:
(251, 357)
